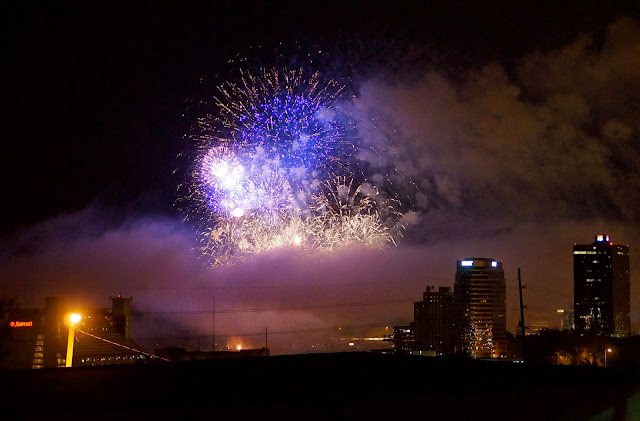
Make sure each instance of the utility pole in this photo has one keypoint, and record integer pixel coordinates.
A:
(213, 320)
(520, 287)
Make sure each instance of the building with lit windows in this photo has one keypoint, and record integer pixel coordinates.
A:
(480, 302)
(403, 339)
(433, 321)
(537, 327)
(601, 288)
(104, 338)
(38, 337)
(566, 319)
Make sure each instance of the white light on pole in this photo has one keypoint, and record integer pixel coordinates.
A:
(608, 350)
(73, 320)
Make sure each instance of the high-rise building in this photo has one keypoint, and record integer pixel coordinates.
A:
(566, 319)
(601, 288)
(433, 321)
(480, 308)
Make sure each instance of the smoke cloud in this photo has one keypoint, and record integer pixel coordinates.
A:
(514, 164)
(555, 138)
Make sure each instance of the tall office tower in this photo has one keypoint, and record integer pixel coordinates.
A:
(121, 315)
(601, 288)
(433, 321)
(480, 308)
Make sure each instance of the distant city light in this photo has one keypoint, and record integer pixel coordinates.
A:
(21, 324)
(466, 263)
(494, 264)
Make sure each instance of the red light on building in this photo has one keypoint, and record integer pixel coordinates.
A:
(21, 324)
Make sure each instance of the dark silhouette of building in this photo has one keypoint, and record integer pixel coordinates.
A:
(175, 353)
(601, 288)
(403, 339)
(22, 347)
(433, 321)
(54, 332)
(566, 318)
(480, 308)
(38, 337)
(121, 315)
(104, 338)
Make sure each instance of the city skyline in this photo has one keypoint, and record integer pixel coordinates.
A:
(231, 325)
(519, 134)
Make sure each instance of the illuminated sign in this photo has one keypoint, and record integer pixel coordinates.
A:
(466, 263)
(21, 324)
(494, 264)
(601, 238)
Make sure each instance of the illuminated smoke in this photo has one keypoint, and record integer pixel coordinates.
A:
(279, 166)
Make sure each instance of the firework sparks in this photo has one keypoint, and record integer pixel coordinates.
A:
(278, 168)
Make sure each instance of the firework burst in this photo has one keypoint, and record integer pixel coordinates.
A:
(348, 213)
(277, 167)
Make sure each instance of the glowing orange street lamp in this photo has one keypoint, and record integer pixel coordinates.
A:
(608, 350)
(73, 320)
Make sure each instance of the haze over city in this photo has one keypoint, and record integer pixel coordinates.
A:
(519, 126)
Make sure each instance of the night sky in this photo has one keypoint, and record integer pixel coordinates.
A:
(520, 123)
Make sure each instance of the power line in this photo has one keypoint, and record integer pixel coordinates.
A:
(221, 287)
(280, 332)
(290, 308)
(120, 345)
(548, 291)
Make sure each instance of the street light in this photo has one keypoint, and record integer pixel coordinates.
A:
(608, 350)
(73, 320)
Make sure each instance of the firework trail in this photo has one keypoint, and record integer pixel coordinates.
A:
(278, 166)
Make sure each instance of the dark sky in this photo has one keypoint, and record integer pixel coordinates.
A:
(520, 122)
(94, 93)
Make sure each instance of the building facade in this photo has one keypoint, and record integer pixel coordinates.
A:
(38, 337)
(104, 338)
(566, 319)
(403, 338)
(602, 288)
(480, 308)
(433, 321)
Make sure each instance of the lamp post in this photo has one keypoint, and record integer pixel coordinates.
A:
(608, 350)
(73, 320)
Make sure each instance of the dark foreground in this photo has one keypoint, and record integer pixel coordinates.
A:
(349, 386)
